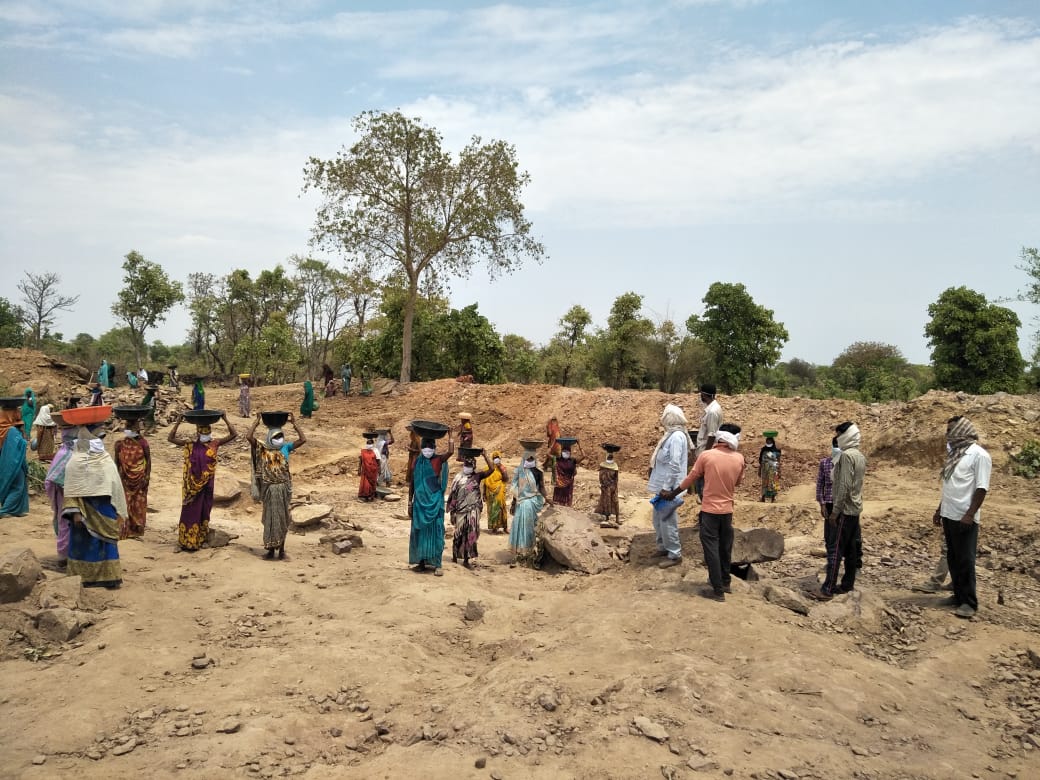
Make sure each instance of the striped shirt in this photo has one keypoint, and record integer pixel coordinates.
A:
(824, 485)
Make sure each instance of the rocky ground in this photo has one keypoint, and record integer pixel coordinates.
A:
(220, 663)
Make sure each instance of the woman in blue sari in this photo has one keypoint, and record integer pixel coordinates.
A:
(95, 507)
(14, 471)
(429, 481)
(528, 488)
(198, 396)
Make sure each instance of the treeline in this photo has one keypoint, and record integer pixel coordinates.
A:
(284, 324)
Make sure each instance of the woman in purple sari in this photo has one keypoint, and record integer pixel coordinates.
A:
(200, 466)
(54, 484)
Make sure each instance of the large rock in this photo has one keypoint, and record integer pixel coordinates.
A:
(757, 545)
(787, 598)
(226, 489)
(310, 514)
(62, 592)
(59, 624)
(573, 540)
(19, 571)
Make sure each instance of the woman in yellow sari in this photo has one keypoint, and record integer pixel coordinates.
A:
(495, 488)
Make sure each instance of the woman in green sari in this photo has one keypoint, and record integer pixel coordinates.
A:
(308, 406)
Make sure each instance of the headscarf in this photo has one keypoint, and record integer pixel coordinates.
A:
(308, 404)
(672, 420)
(198, 395)
(731, 440)
(91, 473)
(8, 419)
(284, 447)
(960, 436)
(28, 409)
(43, 417)
(849, 438)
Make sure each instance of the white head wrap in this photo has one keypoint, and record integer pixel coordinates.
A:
(672, 420)
(731, 440)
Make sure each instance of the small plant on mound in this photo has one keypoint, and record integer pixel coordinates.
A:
(1026, 462)
(37, 475)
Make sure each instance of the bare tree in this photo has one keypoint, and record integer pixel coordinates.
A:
(42, 301)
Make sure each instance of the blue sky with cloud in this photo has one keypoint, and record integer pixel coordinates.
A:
(846, 161)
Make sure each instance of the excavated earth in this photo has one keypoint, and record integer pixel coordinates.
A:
(223, 664)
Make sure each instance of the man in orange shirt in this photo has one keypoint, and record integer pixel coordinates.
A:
(722, 468)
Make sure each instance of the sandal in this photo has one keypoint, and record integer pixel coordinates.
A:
(819, 595)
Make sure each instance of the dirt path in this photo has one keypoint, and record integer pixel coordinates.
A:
(354, 666)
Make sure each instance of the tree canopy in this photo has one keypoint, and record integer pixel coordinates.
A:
(146, 297)
(398, 202)
(12, 334)
(742, 335)
(974, 343)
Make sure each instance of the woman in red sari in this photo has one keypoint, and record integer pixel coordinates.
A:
(368, 470)
(134, 464)
(200, 465)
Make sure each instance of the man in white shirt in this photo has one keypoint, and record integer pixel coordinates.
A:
(965, 481)
(668, 466)
(710, 422)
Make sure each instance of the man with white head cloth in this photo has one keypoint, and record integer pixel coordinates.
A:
(720, 469)
(668, 465)
(841, 529)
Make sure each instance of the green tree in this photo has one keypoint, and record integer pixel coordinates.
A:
(398, 200)
(147, 296)
(742, 335)
(42, 301)
(12, 334)
(974, 343)
(1031, 265)
(473, 347)
(673, 358)
(567, 354)
(873, 371)
(519, 360)
(621, 347)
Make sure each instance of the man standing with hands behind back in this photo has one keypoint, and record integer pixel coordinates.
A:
(965, 481)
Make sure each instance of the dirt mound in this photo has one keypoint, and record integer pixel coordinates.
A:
(51, 379)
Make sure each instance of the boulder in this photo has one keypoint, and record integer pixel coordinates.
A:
(473, 612)
(573, 540)
(342, 547)
(786, 598)
(757, 545)
(650, 729)
(19, 571)
(218, 538)
(59, 624)
(62, 592)
(226, 489)
(310, 515)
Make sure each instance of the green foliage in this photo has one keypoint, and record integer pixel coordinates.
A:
(566, 357)
(871, 371)
(12, 334)
(397, 202)
(519, 360)
(619, 351)
(974, 343)
(37, 475)
(742, 335)
(673, 359)
(147, 296)
(1026, 462)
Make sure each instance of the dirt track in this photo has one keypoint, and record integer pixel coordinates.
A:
(355, 666)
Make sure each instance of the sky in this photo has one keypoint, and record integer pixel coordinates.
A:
(845, 161)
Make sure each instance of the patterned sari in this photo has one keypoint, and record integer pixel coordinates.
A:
(608, 489)
(465, 506)
(93, 548)
(134, 462)
(275, 483)
(563, 488)
(495, 491)
(200, 464)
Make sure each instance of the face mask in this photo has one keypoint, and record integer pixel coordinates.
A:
(835, 453)
(97, 446)
(205, 437)
(565, 455)
(130, 434)
(529, 463)
(497, 461)
(467, 469)
(278, 441)
(428, 452)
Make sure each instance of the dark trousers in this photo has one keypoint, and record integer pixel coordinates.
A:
(841, 539)
(961, 542)
(716, 532)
